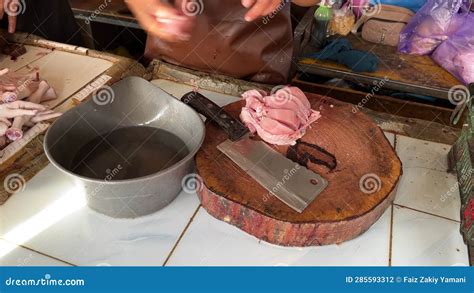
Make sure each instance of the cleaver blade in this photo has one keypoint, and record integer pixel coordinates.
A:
(290, 182)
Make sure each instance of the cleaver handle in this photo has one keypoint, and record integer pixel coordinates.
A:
(233, 127)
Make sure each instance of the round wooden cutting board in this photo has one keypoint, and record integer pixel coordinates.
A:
(344, 146)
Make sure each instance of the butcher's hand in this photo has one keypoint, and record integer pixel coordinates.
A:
(260, 8)
(19, 108)
(162, 19)
(11, 8)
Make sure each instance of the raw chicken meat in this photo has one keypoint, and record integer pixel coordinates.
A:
(18, 86)
(280, 118)
(44, 92)
(13, 110)
(16, 114)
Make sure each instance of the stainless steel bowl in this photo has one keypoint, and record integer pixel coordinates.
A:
(130, 102)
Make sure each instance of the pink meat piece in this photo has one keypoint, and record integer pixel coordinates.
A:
(286, 117)
(280, 118)
(17, 86)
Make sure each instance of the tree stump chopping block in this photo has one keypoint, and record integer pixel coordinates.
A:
(344, 146)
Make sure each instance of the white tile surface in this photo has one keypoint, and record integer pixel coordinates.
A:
(49, 216)
(422, 154)
(430, 191)
(426, 185)
(420, 239)
(13, 255)
(210, 242)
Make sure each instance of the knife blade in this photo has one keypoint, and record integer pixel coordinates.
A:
(293, 184)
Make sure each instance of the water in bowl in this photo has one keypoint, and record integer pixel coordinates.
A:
(128, 153)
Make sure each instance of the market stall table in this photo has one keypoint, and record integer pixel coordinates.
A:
(49, 224)
(400, 72)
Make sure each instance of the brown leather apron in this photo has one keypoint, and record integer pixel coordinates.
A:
(223, 42)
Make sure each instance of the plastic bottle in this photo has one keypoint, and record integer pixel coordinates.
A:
(322, 17)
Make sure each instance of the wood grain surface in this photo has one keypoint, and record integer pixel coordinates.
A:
(407, 70)
(343, 211)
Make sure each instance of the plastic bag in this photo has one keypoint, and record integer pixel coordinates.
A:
(358, 7)
(433, 24)
(456, 55)
(342, 21)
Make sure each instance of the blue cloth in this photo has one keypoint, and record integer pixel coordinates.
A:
(340, 51)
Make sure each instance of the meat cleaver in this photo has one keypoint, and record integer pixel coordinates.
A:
(293, 184)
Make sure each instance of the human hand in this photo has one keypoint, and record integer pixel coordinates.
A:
(260, 8)
(162, 20)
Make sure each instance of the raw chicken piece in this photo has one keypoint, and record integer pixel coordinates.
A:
(281, 118)
(16, 86)
(9, 97)
(13, 88)
(43, 92)
(4, 125)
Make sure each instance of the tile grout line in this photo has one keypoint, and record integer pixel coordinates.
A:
(390, 244)
(182, 235)
(413, 209)
(39, 252)
(427, 213)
